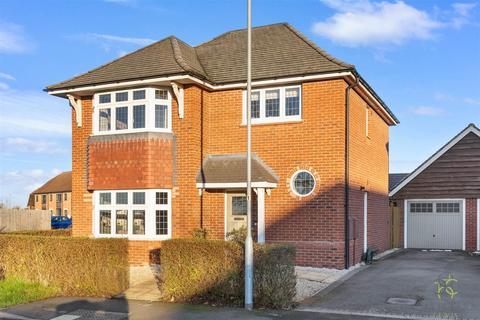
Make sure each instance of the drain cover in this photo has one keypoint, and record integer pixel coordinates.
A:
(82, 314)
(403, 301)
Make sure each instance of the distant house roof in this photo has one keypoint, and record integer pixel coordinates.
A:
(394, 179)
(232, 168)
(60, 183)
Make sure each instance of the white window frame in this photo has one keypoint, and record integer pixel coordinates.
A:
(149, 103)
(292, 183)
(282, 117)
(150, 208)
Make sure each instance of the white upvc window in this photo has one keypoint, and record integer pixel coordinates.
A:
(132, 110)
(271, 105)
(143, 214)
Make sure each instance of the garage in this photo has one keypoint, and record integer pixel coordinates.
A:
(437, 206)
(435, 224)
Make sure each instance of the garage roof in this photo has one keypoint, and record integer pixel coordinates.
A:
(470, 129)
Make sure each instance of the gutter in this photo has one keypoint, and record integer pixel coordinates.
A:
(347, 173)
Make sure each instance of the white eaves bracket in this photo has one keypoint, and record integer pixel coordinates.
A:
(76, 104)
(178, 91)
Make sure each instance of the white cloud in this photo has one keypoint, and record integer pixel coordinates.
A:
(462, 11)
(471, 101)
(15, 186)
(427, 111)
(12, 39)
(6, 76)
(458, 100)
(108, 38)
(4, 86)
(380, 24)
(33, 114)
(18, 144)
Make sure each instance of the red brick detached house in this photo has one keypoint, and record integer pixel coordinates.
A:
(440, 199)
(159, 139)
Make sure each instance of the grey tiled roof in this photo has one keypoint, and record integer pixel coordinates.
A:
(278, 50)
(394, 179)
(232, 168)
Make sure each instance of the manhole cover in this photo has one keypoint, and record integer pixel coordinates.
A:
(403, 301)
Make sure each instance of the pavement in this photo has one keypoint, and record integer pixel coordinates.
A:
(117, 309)
(410, 280)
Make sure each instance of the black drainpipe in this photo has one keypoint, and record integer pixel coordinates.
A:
(347, 176)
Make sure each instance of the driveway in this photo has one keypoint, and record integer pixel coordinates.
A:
(409, 275)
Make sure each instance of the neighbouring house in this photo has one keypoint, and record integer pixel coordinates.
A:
(439, 201)
(55, 195)
(159, 140)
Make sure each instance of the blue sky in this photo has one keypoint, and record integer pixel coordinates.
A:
(422, 58)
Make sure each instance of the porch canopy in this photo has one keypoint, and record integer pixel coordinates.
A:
(229, 171)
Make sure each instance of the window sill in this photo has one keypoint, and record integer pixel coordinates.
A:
(280, 122)
(133, 237)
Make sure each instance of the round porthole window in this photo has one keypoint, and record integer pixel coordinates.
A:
(303, 183)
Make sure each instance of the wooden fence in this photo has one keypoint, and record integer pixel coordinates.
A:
(24, 220)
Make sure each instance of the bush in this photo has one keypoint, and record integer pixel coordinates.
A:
(45, 233)
(73, 266)
(211, 271)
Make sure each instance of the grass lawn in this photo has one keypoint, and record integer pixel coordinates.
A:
(14, 291)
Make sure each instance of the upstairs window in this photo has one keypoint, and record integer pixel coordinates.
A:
(126, 111)
(272, 105)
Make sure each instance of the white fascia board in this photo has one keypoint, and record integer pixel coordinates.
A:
(235, 185)
(200, 82)
(238, 85)
(432, 159)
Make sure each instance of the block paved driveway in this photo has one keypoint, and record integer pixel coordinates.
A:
(409, 274)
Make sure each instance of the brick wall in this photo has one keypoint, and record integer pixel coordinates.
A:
(144, 163)
(81, 197)
(471, 224)
(368, 173)
(52, 205)
(212, 125)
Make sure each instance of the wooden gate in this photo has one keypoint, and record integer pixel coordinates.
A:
(395, 215)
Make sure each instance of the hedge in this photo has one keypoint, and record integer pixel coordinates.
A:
(198, 270)
(46, 233)
(73, 266)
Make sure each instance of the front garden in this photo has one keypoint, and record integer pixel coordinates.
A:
(35, 266)
(51, 265)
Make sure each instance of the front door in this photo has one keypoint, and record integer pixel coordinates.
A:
(236, 211)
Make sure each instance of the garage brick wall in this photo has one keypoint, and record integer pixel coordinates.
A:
(471, 224)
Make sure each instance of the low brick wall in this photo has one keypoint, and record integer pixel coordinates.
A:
(24, 220)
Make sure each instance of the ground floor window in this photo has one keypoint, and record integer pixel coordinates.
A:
(136, 214)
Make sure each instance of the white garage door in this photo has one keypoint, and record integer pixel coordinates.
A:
(435, 224)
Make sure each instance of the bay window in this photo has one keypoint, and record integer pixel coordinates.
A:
(135, 110)
(135, 214)
(272, 105)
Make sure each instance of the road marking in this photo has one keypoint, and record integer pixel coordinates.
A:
(6, 315)
(66, 317)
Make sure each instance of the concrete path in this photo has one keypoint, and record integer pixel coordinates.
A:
(404, 286)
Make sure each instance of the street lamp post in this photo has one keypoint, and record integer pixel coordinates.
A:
(249, 240)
